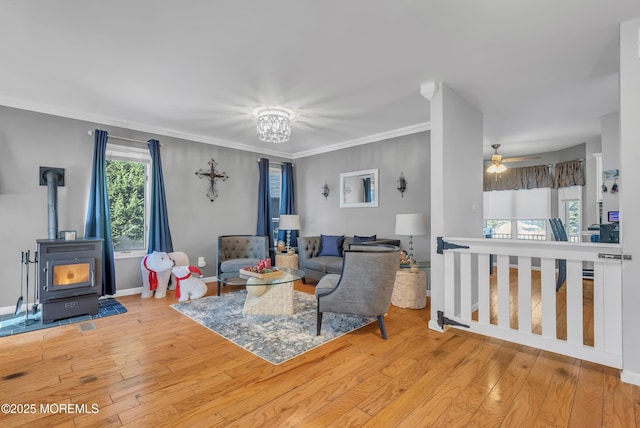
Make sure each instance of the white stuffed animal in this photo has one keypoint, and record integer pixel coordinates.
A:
(179, 259)
(187, 286)
(156, 271)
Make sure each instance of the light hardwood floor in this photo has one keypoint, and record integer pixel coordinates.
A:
(154, 367)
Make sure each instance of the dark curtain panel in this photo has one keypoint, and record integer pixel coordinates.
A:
(366, 182)
(98, 220)
(264, 202)
(569, 173)
(529, 177)
(287, 200)
(159, 233)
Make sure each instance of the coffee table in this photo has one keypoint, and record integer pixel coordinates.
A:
(265, 296)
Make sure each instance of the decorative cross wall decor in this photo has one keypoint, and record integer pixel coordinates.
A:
(212, 174)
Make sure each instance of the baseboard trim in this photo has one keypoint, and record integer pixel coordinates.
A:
(630, 377)
(433, 325)
(138, 290)
(5, 310)
(126, 292)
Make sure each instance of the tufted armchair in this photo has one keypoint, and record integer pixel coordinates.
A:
(238, 251)
(363, 288)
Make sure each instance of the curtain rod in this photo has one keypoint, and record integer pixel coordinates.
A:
(579, 160)
(275, 163)
(124, 139)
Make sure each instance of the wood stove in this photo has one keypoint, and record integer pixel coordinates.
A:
(69, 271)
(69, 277)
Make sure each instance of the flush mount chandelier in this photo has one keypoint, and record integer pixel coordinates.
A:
(273, 125)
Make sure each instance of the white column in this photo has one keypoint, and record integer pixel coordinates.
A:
(610, 126)
(456, 177)
(629, 201)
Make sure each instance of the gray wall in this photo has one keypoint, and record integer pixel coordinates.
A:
(29, 140)
(408, 154)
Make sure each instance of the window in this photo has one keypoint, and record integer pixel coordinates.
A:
(531, 230)
(127, 170)
(275, 184)
(518, 214)
(570, 211)
(572, 219)
(535, 230)
(501, 229)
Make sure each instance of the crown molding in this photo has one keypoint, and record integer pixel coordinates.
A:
(105, 120)
(400, 132)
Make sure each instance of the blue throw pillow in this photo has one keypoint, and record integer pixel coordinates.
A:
(360, 239)
(331, 245)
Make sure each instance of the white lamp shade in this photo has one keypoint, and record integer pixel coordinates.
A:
(289, 222)
(411, 224)
(496, 168)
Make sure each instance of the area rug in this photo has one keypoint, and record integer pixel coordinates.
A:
(14, 324)
(275, 339)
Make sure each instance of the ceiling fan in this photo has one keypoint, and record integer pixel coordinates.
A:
(497, 160)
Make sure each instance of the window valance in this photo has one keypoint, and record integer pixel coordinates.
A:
(570, 173)
(529, 177)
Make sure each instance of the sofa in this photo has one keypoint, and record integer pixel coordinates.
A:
(316, 265)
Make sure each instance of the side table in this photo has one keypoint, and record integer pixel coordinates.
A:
(287, 260)
(410, 290)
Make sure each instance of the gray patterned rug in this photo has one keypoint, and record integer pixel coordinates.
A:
(275, 339)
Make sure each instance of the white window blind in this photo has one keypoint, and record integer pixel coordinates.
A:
(517, 204)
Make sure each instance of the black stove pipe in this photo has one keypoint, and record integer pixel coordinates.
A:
(52, 204)
(52, 178)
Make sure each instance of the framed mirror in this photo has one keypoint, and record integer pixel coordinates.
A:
(359, 189)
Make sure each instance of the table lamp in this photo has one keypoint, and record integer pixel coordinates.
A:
(289, 222)
(411, 224)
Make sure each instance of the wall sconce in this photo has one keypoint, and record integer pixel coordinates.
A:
(401, 184)
(325, 190)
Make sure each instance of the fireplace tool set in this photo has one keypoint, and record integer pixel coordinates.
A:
(25, 262)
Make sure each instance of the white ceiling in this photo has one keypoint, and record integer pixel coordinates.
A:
(542, 71)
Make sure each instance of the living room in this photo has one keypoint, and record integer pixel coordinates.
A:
(195, 221)
(35, 133)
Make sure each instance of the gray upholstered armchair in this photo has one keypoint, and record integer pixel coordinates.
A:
(363, 288)
(238, 251)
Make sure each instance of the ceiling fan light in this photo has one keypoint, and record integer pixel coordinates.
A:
(501, 168)
(492, 169)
